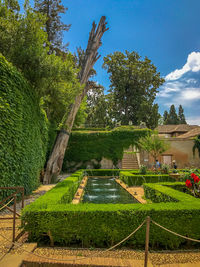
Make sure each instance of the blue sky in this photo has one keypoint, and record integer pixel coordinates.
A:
(166, 31)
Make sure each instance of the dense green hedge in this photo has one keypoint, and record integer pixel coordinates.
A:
(84, 146)
(63, 192)
(23, 131)
(155, 193)
(90, 129)
(138, 179)
(103, 172)
(102, 225)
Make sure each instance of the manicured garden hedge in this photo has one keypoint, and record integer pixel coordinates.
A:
(138, 179)
(23, 131)
(63, 192)
(156, 193)
(102, 172)
(102, 225)
(86, 146)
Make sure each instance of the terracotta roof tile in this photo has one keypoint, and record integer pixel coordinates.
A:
(192, 133)
(184, 128)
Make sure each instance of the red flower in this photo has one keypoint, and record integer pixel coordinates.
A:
(195, 178)
(188, 183)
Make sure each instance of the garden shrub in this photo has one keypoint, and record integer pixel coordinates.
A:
(103, 172)
(102, 225)
(23, 131)
(143, 169)
(63, 192)
(134, 179)
(165, 168)
(156, 195)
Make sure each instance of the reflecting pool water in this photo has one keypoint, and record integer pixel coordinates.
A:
(106, 190)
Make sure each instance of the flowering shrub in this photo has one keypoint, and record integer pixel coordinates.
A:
(193, 183)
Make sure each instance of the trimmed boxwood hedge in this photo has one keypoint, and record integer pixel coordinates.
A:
(102, 225)
(138, 179)
(23, 131)
(102, 172)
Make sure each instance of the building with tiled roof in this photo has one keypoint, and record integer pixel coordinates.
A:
(180, 137)
(191, 134)
(174, 130)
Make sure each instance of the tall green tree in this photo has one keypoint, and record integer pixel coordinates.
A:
(12, 5)
(134, 84)
(54, 27)
(165, 117)
(149, 114)
(98, 108)
(181, 115)
(22, 39)
(172, 116)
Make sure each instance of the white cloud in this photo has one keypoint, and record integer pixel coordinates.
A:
(193, 120)
(191, 81)
(182, 87)
(192, 64)
(191, 94)
(169, 87)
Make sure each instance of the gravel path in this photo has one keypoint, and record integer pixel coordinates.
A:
(156, 258)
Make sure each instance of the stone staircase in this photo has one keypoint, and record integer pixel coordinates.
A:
(130, 161)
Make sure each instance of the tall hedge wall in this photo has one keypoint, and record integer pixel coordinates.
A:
(87, 145)
(23, 130)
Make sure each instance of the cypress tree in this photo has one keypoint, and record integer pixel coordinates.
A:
(181, 115)
(165, 117)
(54, 27)
(172, 117)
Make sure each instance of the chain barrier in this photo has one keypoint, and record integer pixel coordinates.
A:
(17, 244)
(185, 237)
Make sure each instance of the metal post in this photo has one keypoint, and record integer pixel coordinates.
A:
(14, 217)
(147, 241)
(22, 197)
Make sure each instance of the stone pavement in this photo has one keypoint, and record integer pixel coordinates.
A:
(136, 191)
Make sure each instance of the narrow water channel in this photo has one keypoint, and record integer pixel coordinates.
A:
(106, 190)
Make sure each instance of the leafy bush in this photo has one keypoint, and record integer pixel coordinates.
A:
(103, 172)
(165, 168)
(23, 131)
(153, 193)
(138, 179)
(143, 169)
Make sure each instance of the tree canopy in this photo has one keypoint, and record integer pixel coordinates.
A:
(54, 27)
(172, 117)
(54, 78)
(134, 84)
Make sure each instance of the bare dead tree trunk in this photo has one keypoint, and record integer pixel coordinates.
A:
(55, 161)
